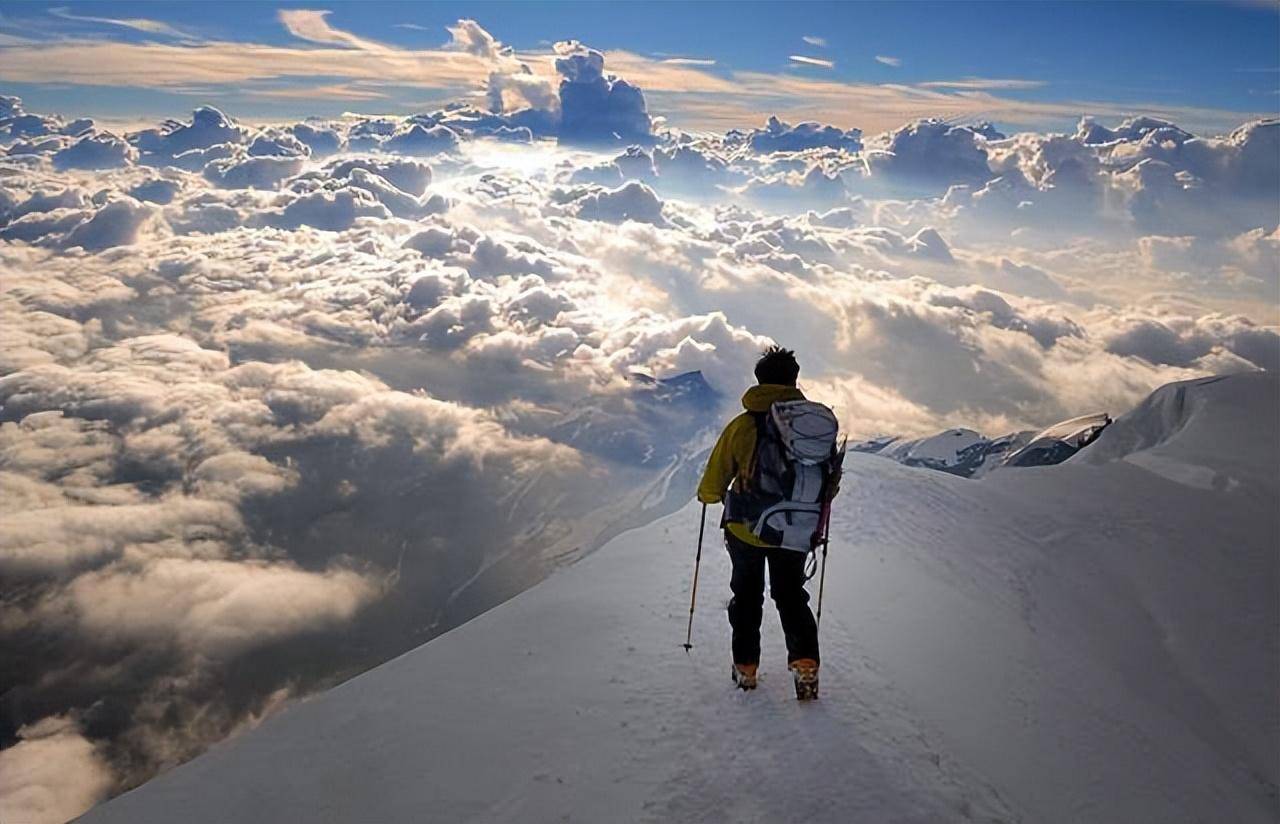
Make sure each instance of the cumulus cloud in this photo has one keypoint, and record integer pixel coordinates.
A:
(930, 153)
(596, 107)
(102, 151)
(208, 607)
(633, 201)
(115, 224)
(49, 541)
(1159, 179)
(512, 86)
(263, 172)
(866, 409)
(777, 136)
(155, 190)
(170, 142)
(410, 176)
(1184, 341)
(321, 140)
(52, 774)
(417, 139)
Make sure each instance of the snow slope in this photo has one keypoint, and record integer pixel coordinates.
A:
(1095, 641)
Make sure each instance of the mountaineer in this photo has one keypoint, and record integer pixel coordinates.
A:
(776, 468)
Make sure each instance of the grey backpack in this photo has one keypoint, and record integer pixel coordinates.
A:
(794, 472)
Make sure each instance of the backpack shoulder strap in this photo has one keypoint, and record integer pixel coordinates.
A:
(759, 419)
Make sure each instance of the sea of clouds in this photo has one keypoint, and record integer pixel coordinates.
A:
(279, 402)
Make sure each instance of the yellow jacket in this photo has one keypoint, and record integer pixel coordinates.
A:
(730, 461)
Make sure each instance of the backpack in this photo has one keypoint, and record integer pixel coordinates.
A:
(794, 474)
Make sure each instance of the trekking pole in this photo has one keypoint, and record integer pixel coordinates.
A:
(697, 562)
(822, 576)
(825, 523)
(822, 579)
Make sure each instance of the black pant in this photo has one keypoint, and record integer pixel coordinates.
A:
(786, 586)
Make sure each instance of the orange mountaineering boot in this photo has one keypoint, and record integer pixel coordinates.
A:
(744, 675)
(805, 671)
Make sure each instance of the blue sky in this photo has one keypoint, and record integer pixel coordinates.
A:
(1209, 65)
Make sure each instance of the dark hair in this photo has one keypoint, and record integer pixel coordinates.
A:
(777, 365)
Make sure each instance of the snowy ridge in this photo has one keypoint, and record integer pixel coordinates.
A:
(1169, 419)
(969, 454)
(1085, 642)
(961, 452)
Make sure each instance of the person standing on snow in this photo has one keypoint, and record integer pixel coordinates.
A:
(776, 468)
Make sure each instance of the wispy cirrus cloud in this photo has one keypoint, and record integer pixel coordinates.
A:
(879, 107)
(311, 25)
(889, 61)
(141, 24)
(812, 61)
(980, 83)
(168, 66)
(332, 91)
(689, 61)
(813, 40)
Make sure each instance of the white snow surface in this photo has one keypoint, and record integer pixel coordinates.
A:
(1092, 641)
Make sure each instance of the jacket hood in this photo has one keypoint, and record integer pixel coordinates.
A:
(761, 396)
